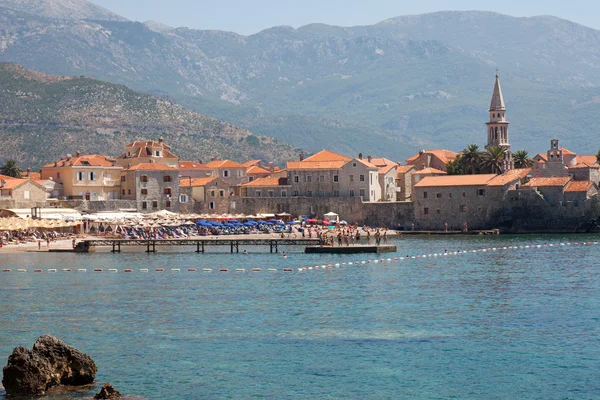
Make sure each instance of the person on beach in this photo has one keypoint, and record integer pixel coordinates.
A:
(73, 243)
(39, 244)
(385, 236)
(48, 241)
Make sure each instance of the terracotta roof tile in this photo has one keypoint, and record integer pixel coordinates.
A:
(196, 182)
(267, 181)
(386, 169)
(251, 163)
(548, 182)
(579, 186)
(402, 169)
(567, 152)
(224, 164)
(443, 155)
(150, 143)
(151, 167)
(382, 162)
(191, 165)
(509, 177)
(14, 183)
(256, 170)
(455, 180)
(92, 160)
(326, 155)
(588, 159)
(430, 171)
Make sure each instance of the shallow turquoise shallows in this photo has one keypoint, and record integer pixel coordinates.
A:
(504, 324)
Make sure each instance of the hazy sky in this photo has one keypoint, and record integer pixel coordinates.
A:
(251, 16)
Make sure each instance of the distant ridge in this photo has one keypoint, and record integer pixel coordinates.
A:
(44, 117)
(62, 9)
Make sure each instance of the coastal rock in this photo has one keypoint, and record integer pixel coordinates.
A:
(50, 363)
(108, 392)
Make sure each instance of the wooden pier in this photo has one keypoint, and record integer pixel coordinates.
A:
(354, 249)
(87, 246)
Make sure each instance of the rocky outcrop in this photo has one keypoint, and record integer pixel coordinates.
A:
(50, 363)
(108, 392)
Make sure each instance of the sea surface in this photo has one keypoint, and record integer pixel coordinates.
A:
(504, 324)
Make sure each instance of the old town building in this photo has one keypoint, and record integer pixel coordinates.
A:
(140, 152)
(153, 186)
(89, 177)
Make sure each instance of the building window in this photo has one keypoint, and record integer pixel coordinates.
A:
(144, 205)
(336, 193)
(26, 194)
(354, 165)
(424, 195)
(123, 178)
(144, 191)
(221, 193)
(144, 178)
(154, 204)
(426, 211)
(212, 193)
(464, 194)
(438, 211)
(296, 179)
(322, 178)
(308, 178)
(225, 174)
(211, 205)
(336, 178)
(168, 204)
(309, 193)
(167, 178)
(351, 178)
(157, 153)
(250, 178)
(463, 208)
(438, 195)
(351, 192)
(123, 192)
(283, 193)
(258, 193)
(80, 176)
(271, 193)
(296, 193)
(361, 193)
(232, 205)
(93, 176)
(183, 198)
(168, 191)
(361, 178)
(481, 192)
(58, 175)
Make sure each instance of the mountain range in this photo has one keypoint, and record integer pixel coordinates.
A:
(44, 117)
(389, 89)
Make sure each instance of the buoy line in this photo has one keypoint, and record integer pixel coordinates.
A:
(315, 267)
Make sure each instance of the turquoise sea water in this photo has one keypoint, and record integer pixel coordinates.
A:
(510, 324)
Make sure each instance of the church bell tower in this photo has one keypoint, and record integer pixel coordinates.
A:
(497, 128)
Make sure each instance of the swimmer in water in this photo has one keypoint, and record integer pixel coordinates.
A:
(245, 252)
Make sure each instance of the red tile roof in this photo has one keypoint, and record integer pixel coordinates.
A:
(443, 155)
(548, 182)
(150, 167)
(455, 180)
(588, 159)
(262, 182)
(510, 176)
(430, 171)
(382, 162)
(402, 169)
(326, 155)
(191, 165)
(386, 169)
(91, 160)
(579, 186)
(149, 143)
(14, 183)
(224, 164)
(196, 182)
(256, 170)
(251, 163)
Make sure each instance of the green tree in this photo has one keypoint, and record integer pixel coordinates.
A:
(492, 159)
(455, 167)
(522, 160)
(598, 157)
(471, 159)
(10, 168)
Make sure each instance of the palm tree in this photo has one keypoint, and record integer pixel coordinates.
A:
(522, 159)
(10, 168)
(471, 158)
(492, 159)
(454, 167)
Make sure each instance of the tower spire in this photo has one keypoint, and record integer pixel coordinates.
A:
(497, 99)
